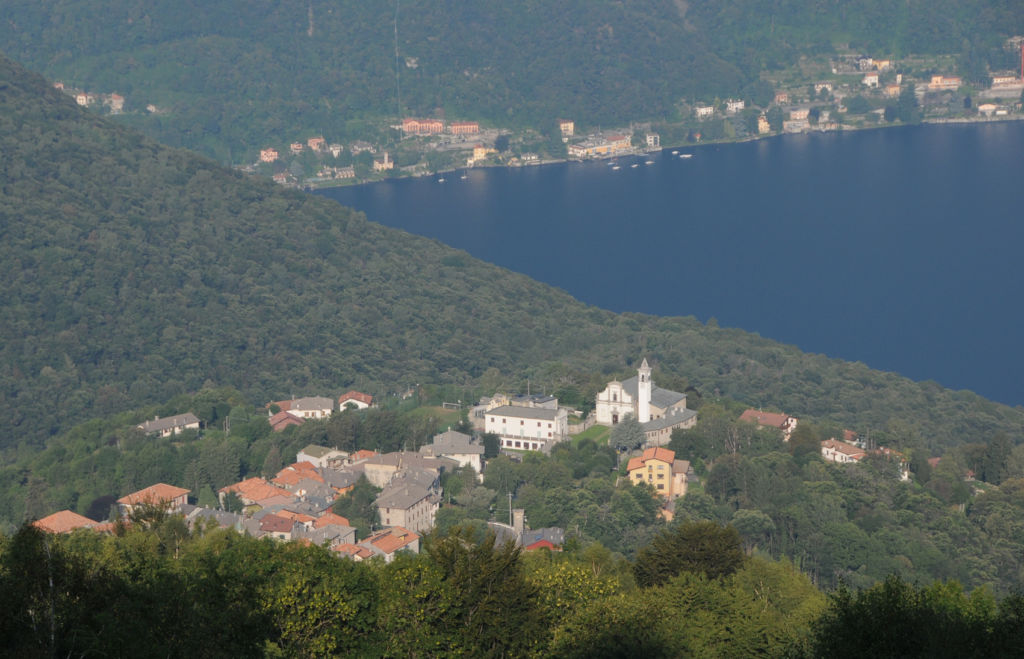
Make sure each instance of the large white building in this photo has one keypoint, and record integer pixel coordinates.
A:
(659, 410)
(528, 428)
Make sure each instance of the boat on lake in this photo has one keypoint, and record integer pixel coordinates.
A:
(685, 155)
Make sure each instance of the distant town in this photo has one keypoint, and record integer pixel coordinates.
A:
(845, 92)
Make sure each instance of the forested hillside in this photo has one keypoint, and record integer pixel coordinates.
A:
(226, 77)
(134, 272)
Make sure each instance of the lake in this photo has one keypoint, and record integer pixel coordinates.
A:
(900, 248)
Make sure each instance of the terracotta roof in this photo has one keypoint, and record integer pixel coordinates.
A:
(255, 489)
(63, 522)
(298, 517)
(764, 418)
(393, 539)
(283, 419)
(286, 477)
(352, 550)
(362, 454)
(274, 523)
(355, 395)
(329, 518)
(542, 544)
(159, 493)
(657, 453)
(284, 405)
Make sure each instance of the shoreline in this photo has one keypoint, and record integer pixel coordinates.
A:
(639, 152)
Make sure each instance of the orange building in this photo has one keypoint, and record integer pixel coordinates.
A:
(659, 468)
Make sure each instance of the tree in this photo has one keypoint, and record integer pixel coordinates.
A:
(233, 503)
(627, 435)
(357, 505)
(272, 463)
(501, 143)
(701, 547)
(906, 106)
(492, 445)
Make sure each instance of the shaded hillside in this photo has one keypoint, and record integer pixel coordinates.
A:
(134, 272)
(233, 75)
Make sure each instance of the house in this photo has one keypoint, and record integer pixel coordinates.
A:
(528, 428)
(987, 109)
(254, 492)
(355, 399)
(480, 152)
(783, 422)
(795, 125)
(464, 128)
(318, 455)
(268, 155)
(317, 144)
(834, 450)
(944, 82)
(819, 86)
(422, 126)
(870, 80)
(170, 425)
(276, 526)
(659, 468)
(166, 496)
(658, 432)
(799, 114)
(335, 150)
(388, 542)
(732, 106)
(883, 64)
(352, 551)
(283, 419)
(116, 103)
(704, 111)
(381, 469)
(891, 91)
(359, 146)
(639, 397)
(409, 505)
(763, 126)
(652, 140)
(619, 143)
(1006, 80)
(64, 521)
(345, 172)
(567, 127)
(310, 407)
(383, 165)
(781, 98)
(457, 446)
(296, 147)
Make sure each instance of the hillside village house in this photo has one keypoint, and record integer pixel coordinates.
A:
(870, 80)
(169, 497)
(384, 164)
(317, 143)
(1006, 80)
(732, 106)
(408, 505)
(456, 446)
(834, 450)
(659, 468)
(268, 155)
(354, 398)
(64, 521)
(296, 147)
(567, 127)
(704, 111)
(658, 410)
(282, 420)
(310, 407)
(944, 82)
(530, 427)
(170, 425)
(389, 542)
(783, 422)
(319, 456)
(380, 470)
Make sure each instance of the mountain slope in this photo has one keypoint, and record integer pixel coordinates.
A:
(133, 272)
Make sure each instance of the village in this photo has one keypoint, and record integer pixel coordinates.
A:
(842, 92)
(296, 504)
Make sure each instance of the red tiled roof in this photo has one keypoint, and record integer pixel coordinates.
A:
(329, 518)
(352, 550)
(298, 517)
(391, 540)
(362, 454)
(355, 395)
(159, 493)
(255, 489)
(764, 418)
(274, 523)
(657, 453)
(286, 477)
(64, 522)
(543, 544)
(283, 419)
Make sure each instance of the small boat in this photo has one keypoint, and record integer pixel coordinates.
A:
(440, 180)
(634, 165)
(648, 162)
(463, 177)
(612, 163)
(674, 153)
(686, 155)
(615, 167)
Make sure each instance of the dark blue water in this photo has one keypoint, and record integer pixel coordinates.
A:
(901, 248)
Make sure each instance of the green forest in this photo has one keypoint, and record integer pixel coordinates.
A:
(227, 77)
(157, 589)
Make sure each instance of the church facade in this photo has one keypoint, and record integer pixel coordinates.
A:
(658, 410)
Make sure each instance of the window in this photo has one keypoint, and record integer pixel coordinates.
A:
(615, 398)
(521, 422)
(519, 444)
(661, 476)
(549, 425)
(538, 424)
(661, 486)
(549, 435)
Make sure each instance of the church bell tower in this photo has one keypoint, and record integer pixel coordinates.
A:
(643, 390)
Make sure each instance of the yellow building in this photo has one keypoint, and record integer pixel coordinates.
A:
(659, 468)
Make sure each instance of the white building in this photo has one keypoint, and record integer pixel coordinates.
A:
(170, 425)
(834, 450)
(457, 446)
(319, 456)
(528, 428)
(658, 410)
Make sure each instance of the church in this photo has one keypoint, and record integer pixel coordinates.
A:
(658, 410)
